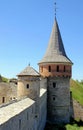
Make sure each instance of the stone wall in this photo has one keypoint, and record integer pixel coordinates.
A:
(43, 83)
(8, 92)
(42, 109)
(17, 116)
(78, 111)
(22, 115)
(31, 91)
(58, 99)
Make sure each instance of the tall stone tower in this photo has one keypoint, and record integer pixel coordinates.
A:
(56, 67)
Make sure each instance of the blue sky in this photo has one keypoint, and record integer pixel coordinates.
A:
(25, 27)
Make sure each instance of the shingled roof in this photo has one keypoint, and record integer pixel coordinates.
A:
(55, 50)
(29, 71)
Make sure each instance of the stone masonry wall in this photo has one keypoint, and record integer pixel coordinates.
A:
(32, 91)
(21, 115)
(8, 92)
(58, 100)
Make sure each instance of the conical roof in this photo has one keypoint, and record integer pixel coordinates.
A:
(55, 50)
(29, 71)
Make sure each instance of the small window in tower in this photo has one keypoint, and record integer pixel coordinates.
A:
(64, 68)
(27, 116)
(49, 68)
(27, 86)
(42, 69)
(3, 99)
(36, 116)
(53, 98)
(54, 85)
(19, 124)
(58, 68)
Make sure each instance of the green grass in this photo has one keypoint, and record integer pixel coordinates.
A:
(5, 79)
(74, 125)
(77, 91)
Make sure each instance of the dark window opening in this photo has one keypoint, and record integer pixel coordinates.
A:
(36, 116)
(27, 86)
(16, 83)
(53, 98)
(3, 99)
(27, 116)
(42, 69)
(54, 85)
(64, 69)
(57, 68)
(19, 124)
(49, 68)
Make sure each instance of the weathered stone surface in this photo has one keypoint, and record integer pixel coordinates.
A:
(8, 92)
(58, 99)
(78, 110)
(32, 91)
(22, 115)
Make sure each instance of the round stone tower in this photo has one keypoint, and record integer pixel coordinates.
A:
(57, 68)
(28, 84)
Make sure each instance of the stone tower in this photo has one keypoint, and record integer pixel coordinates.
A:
(56, 67)
(28, 84)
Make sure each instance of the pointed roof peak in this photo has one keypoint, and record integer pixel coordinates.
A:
(29, 71)
(55, 51)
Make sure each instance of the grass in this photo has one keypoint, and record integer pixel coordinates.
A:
(74, 125)
(5, 79)
(77, 91)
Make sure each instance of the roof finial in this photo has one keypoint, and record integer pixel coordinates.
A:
(55, 10)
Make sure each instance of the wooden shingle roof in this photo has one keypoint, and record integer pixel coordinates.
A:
(29, 71)
(55, 51)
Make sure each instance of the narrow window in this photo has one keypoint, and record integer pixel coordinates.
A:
(54, 98)
(27, 116)
(42, 69)
(36, 116)
(27, 86)
(64, 69)
(32, 110)
(3, 99)
(49, 68)
(57, 68)
(54, 85)
(19, 124)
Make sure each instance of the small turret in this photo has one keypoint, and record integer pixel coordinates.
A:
(28, 83)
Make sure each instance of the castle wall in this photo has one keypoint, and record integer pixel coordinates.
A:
(42, 109)
(18, 116)
(8, 92)
(21, 115)
(58, 101)
(43, 83)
